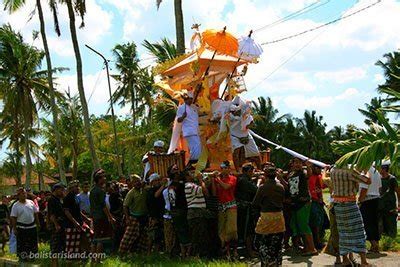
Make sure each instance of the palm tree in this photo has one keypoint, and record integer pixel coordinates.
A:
(11, 129)
(266, 119)
(166, 106)
(163, 51)
(380, 142)
(315, 139)
(369, 111)
(337, 133)
(79, 7)
(391, 70)
(179, 26)
(127, 63)
(24, 87)
(13, 6)
(72, 134)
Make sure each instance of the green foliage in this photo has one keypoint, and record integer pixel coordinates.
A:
(162, 51)
(305, 135)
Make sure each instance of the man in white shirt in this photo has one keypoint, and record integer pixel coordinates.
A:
(187, 114)
(158, 148)
(24, 222)
(243, 145)
(369, 207)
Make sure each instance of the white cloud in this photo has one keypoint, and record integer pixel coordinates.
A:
(342, 76)
(96, 89)
(97, 25)
(378, 78)
(318, 102)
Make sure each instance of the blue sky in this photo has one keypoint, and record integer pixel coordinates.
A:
(334, 75)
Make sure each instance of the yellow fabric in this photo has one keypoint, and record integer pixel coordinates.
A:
(270, 223)
(227, 225)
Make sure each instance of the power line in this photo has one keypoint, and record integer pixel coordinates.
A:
(286, 61)
(294, 15)
(323, 25)
(96, 82)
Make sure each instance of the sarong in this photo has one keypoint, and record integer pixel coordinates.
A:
(332, 247)
(227, 225)
(194, 144)
(135, 236)
(300, 219)
(102, 231)
(317, 215)
(27, 242)
(169, 236)
(198, 232)
(72, 240)
(181, 227)
(270, 223)
(154, 230)
(57, 241)
(270, 249)
(350, 227)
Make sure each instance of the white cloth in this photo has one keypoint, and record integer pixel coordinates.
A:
(176, 135)
(194, 144)
(24, 212)
(190, 125)
(374, 187)
(166, 196)
(107, 200)
(238, 129)
(146, 163)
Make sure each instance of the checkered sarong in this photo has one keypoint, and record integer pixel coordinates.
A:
(72, 240)
(135, 234)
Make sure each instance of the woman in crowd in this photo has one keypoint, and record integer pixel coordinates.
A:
(271, 224)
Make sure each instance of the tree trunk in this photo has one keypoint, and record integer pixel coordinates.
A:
(18, 162)
(28, 162)
(74, 160)
(85, 111)
(180, 30)
(60, 159)
(133, 108)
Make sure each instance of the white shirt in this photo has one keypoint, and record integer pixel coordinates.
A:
(374, 187)
(190, 125)
(167, 203)
(24, 212)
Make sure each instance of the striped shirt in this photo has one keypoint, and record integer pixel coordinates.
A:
(194, 196)
(345, 182)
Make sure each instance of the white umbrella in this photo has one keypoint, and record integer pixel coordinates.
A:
(249, 49)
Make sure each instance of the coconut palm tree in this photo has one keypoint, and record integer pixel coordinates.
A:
(79, 7)
(13, 5)
(179, 26)
(391, 71)
(163, 51)
(369, 111)
(127, 64)
(24, 87)
(72, 134)
(267, 120)
(315, 140)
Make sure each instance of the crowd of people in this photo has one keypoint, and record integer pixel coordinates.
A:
(209, 215)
